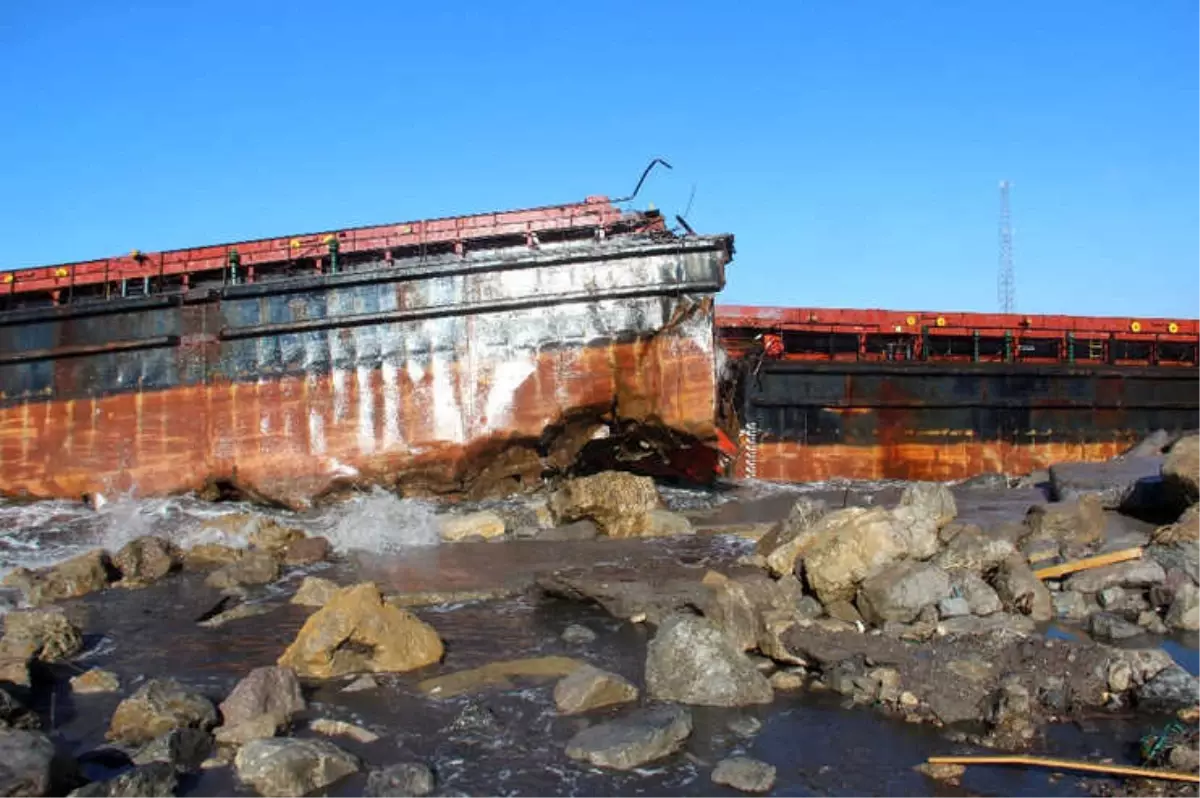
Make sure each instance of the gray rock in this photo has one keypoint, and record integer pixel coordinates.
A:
(1153, 624)
(1071, 605)
(578, 634)
(1111, 597)
(144, 560)
(145, 781)
(1171, 689)
(981, 597)
(1152, 445)
(184, 749)
(584, 529)
(783, 544)
(253, 568)
(1184, 555)
(15, 715)
(900, 591)
(691, 661)
(157, 707)
(745, 774)
(1077, 522)
(1181, 470)
(1139, 573)
(30, 764)
(408, 780)
(589, 687)
(633, 740)
(953, 607)
(293, 767)
(999, 622)
(1185, 609)
(1106, 626)
(850, 545)
(744, 725)
(844, 611)
(924, 508)
(1130, 484)
(1021, 591)
(988, 481)
(974, 550)
(264, 691)
(809, 607)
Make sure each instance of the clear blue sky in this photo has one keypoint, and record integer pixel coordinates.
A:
(854, 148)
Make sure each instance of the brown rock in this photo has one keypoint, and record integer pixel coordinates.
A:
(486, 525)
(1078, 522)
(848, 546)
(306, 551)
(789, 539)
(1021, 591)
(787, 681)
(1186, 529)
(356, 632)
(663, 523)
(95, 681)
(315, 592)
(77, 576)
(259, 728)
(615, 500)
(1181, 471)
(207, 556)
(159, 706)
(254, 568)
(589, 688)
(145, 560)
(273, 537)
(264, 691)
(44, 635)
(499, 674)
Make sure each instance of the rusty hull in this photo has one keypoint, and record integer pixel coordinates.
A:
(396, 373)
(807, 421)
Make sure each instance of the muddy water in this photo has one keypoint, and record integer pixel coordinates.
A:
(499, 741)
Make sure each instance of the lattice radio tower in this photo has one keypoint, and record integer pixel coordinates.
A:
(1006, 289)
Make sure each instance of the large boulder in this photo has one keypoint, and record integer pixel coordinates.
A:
(145, 781)
(848, 546)
(782, 545)
(356, 632)
(145, 560)
(1021, 591)
(925, 507)
(159, 706)
(30, 765)
(1078, 522)
(633, 740)
(77, 576)
(691, 661)
(41, 635)
(1181, 470)
(253, 568)
(615, 500)
(1140, 573)
(974, 550)
(271, 690)
(293, 767)
(1170, 689)
(900, 591)
(981, 597)
(1129, 484)
(315, 591)
(589, 687)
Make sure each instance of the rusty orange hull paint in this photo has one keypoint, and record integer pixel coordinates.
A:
(288, 438)
(794, 462)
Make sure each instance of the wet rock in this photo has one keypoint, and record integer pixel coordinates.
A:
(159, 706)
(1185, 529)
(967, 625)
(306, 551)
(744, 725)
(270, 691)
(258, 728)
(664, 523)
(1181, 470)
(953, 607)
(844, 611)
(973, 550)
(77, 576)
(1185, 608)
(315, 592)
(1171, 689)
(407, 780)
(981, 597)
(1152, 445)
(848, 546)
(900, 591)
(1021, 591)
(183, 749)
(578, 634)
(364, 682)
(585, 529)
(340, 728)
(733, 610)
(947, 774)
(1071, 605)
(15, 715)
(95, 681)
(236, 613)
(1150, 621)
(1106, 626)
(356, 632)
(987, 481)
(293, 767)
(633, 740)
(745, 774)
(1140, 573)
(456, 528)
(207, 556)
(1184, 557)
(691, 661)
(1010, 716)
(925, 507)
(30, 765)
(1130, 484)
(625, 597)
(1184, 758)
(1078, 522)
(499, 674)
(1111, 597)
(147, 781)
(272, 537)
(1120, 676)
(145, 560)
(808, 607)
(589, 688)
(787, 681)
(46, 635)
(784, 543)
(253, 568)
(615, 500)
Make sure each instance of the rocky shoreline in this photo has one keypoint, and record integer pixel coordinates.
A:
(913, 610)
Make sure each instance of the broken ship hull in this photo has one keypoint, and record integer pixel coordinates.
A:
(418, 375)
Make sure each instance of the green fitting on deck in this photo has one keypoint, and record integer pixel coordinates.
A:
(975, 345)
(1071, 348)
(925, 343)
(333, 255)
(235, 260)
(1008, 346)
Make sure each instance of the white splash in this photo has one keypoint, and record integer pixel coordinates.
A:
(380, 522)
